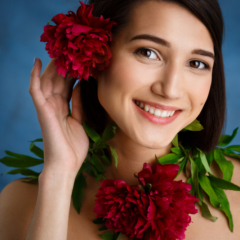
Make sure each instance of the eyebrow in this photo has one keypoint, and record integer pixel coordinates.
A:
(167, 44)
(153, 39)
(203, 53)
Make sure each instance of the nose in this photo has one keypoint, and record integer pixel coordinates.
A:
(169, 83)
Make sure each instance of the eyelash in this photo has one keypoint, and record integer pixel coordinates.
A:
(205, 68)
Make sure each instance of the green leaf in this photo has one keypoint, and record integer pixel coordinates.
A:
(97, 163)
(207, 187)
(206, 212)
(70, 112)
(109, 132)
(189, 181)
(210, 157)
(200, 194)
(147, 188)
(175, 141)
(225, 166)
(169, 159)
(194, 126)
(235, 148)
(36, 150)
(101, 145)
(223, 184)
(88, 168)
(224, 205)
(177, 151)
(106, 160)
(91, 133)
(23, 171)
(99, 221)
(48, 22)
(181, 166)
(16, 155)
(77, 192)
(205, 162)
(233, 156)
(115, 156)
(103, 228)
(37, 140)
(23, 162)
(227, 151)
(31, 179)
(230, 153)
(120, 236)
(200, 166)
(224, 140)
(109, 236)
(194, 177)
(98, 175)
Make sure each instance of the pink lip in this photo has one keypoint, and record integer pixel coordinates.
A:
(159, 120)
(159, 106)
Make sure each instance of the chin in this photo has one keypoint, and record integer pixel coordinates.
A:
(153, 141)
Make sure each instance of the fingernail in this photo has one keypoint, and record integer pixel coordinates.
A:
(34, 60)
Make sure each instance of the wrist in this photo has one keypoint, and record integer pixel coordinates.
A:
(58, 179)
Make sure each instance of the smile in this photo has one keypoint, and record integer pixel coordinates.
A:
(157, 113)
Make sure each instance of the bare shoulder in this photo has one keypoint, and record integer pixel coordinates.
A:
(17, 203)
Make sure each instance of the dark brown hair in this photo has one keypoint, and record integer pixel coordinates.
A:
(213, 114)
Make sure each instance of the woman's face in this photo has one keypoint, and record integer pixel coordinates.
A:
(162, 65)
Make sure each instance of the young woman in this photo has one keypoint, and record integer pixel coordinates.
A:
(166, 70)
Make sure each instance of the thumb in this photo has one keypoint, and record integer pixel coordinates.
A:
(34, 86)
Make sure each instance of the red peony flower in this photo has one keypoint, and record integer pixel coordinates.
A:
(79, 42)
(158, 209)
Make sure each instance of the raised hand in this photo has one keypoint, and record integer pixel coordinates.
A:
(64, 139)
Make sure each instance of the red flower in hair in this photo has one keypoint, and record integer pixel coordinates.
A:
(158, 209)
(79, 42)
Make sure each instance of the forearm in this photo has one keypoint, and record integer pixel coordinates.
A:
(50, 217)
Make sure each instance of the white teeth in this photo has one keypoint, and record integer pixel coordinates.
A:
(155, 111)
(164, 114)
(146, 108)
(151, 110)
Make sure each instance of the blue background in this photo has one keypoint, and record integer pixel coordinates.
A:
(21, 26)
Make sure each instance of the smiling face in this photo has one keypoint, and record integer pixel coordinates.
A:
(160, 73)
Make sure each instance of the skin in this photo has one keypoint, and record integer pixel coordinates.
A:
(48, 210)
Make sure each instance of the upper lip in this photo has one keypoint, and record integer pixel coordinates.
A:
(159, 106)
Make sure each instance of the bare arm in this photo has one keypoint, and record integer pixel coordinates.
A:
(50, 218)
(65, 147)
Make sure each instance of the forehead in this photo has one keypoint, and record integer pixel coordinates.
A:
(170, 21)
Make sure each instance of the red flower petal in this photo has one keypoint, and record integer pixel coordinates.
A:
(79, 42)
(163, 214)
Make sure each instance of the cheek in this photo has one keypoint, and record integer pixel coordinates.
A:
(117, 84)
(199, 94)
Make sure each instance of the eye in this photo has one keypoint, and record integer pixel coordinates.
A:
(198, 64)
(148, 53)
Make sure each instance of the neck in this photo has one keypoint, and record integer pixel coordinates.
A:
(131, 157)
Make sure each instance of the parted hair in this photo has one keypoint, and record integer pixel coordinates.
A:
(212, 115)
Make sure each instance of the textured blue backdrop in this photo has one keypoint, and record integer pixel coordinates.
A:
(21, 26)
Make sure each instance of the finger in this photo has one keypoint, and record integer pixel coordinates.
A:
(63, 86)
(67, 92)
(77, 109)
(35, 86)
(47, 79)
